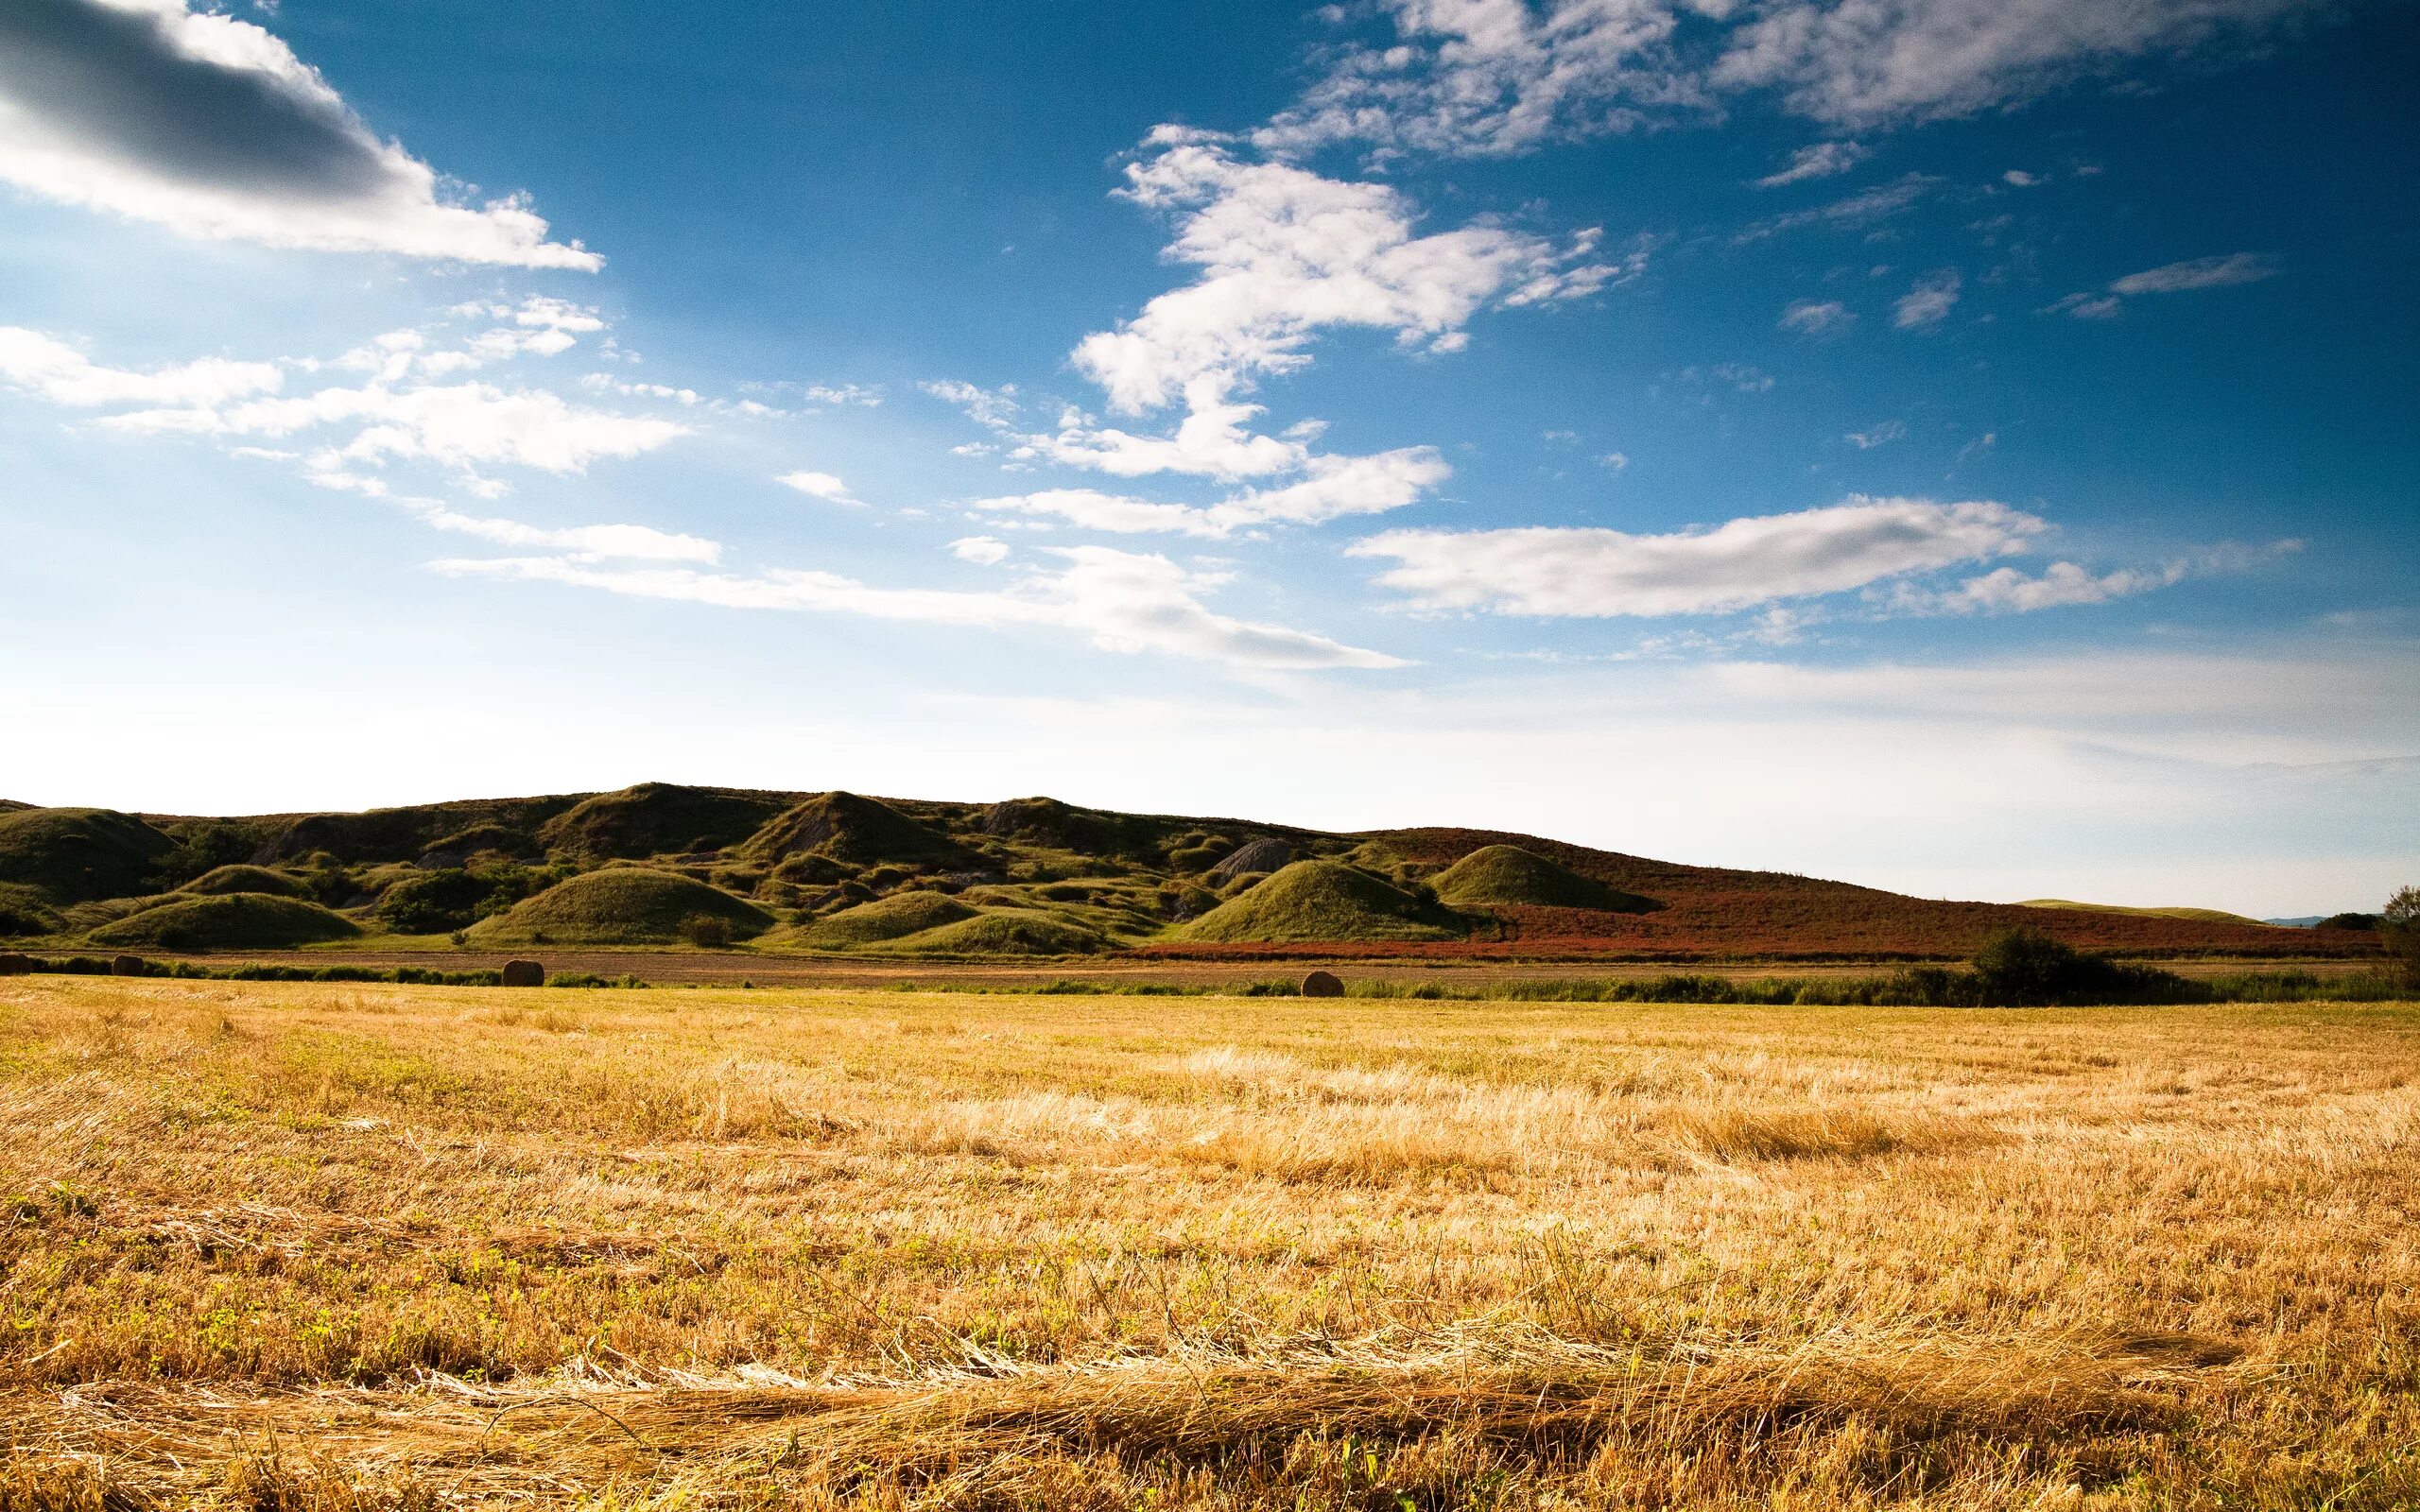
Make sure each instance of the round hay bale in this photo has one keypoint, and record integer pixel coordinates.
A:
(1322, 985)
(523, 974)
(126, 966)
(12, 964)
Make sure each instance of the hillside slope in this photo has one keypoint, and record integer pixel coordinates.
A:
(819, 870)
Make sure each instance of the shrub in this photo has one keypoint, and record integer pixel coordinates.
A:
(2348, 921)
(706, 930)
(2024, 967)
(2400, 931)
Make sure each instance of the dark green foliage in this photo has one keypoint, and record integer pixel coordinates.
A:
(619, 906)
(860, 832)
(24, 911)
(246, 878)
(437, 903)
(2021, 968)
(2348, 921)
(708, 932)
(1500, 876)
(1192, 858)
(228, 921)
(2400, 931)
(1325, 900)
(658, 819)
(206, 845)
(403, 833)
(75, 856)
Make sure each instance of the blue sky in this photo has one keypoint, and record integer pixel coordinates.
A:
(1958, 446)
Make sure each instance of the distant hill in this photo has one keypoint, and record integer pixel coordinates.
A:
(669, 866)
(2207, 916)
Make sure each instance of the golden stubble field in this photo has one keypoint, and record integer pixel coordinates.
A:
(299, 1247)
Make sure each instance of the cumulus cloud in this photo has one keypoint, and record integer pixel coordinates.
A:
(982, 550)
(1743, 563)
(1119, 601)
(63, 374)
(1814, 318)
(1819, 161)
(1928, 301)
(993, 408)
(1874, 62)
(1284, 252)
(817, 486)
(211, 126)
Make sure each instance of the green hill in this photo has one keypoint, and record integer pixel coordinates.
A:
(1324, 901)
(1504, 876)
(73, 855)
(885, 919)
(657, 818)
(999, 932)
(861, 831)
(255, 920)
(246, 878)
(2202, 915)
(619, 906)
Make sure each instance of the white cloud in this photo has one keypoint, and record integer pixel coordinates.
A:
(2064, 584)
(1120, 601)
(2019, 179)
(1613, 461)
(1211, 441)
(582, 543)
(983, 550)
(63, 375)
(1819, 161)
(211, 126)
(1872, 62)
(857, 394)
(1490, 77)
(2196, 273)
(2173, 277)
(458, 425)
(1815, 318)
(1862, 208)
(1928, 301)
(819, 485)
(1284, 252)
(1882, 434)
(994, 409)
(1332, 487)
(1745, 562)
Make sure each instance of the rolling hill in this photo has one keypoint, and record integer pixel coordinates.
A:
(842, 873)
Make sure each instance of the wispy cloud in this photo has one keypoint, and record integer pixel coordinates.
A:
(1119, 601)
(2172, 278)
(1819, 161)
(1743, 563)
(1928, 301)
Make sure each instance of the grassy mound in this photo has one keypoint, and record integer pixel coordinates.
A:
(256, 920)
(1324, 901)
(1504, 876)
(858, 830)
(657, 818)
(76, 854)
(2203, 916)
(1001, 932)
(619, 906)
(246, 878)
(900, 913)
(24, 911)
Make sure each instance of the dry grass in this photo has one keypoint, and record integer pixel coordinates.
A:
(288, 1246)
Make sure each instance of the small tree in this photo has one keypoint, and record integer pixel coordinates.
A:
(706, 930)
(2400, 931)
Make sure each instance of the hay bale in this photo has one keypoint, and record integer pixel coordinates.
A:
(523, 974)
(127, 966)
(1322, 985)
(12, 964)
